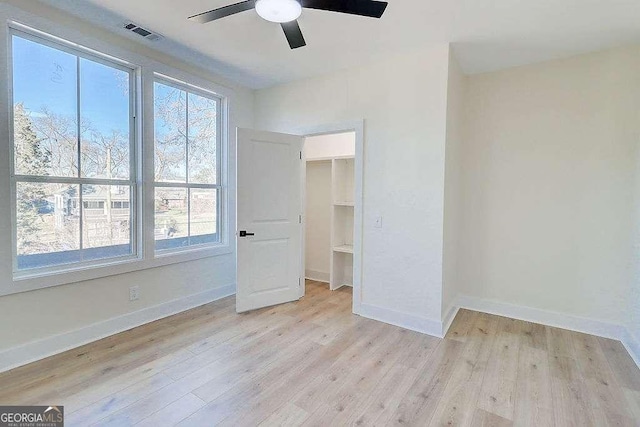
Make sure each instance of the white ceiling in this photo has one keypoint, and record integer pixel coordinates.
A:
(487, 34)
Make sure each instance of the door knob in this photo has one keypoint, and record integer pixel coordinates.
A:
(245, 234)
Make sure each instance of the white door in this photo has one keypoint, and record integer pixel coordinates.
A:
(269, 208)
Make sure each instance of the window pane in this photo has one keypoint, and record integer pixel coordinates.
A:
(105, 119)
(48, 227)
(170, 118)
(106, 222)
(171, 218)
(203, 212)
(45, 110)
(202, 139)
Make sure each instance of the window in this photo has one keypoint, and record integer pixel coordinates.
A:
(186, 163)
(74, 175)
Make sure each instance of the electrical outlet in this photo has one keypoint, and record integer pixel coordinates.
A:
(134, 293)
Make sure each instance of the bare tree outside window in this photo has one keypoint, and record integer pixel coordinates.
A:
(186, 167)
(72, 121)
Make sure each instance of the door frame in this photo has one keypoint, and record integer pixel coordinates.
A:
(356, 126)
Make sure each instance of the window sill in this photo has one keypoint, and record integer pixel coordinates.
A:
(39, 280)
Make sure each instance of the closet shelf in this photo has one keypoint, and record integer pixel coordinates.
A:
(347, 249)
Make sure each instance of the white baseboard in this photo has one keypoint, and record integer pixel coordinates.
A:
(318, 276)
(40, 349)
(451, 313)
(632, 343)
(544, 317)
(403, 320)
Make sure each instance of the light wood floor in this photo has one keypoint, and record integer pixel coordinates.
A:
(313, 363)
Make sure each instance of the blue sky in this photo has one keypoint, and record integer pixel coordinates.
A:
(44, 77)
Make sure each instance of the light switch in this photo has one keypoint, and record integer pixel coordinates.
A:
(378, 223)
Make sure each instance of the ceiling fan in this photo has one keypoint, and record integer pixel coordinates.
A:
(286, 12)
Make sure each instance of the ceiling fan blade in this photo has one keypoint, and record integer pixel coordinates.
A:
(370, 8)
(221, 12)
(294, 34)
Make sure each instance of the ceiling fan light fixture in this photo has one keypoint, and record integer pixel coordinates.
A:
(279, 11)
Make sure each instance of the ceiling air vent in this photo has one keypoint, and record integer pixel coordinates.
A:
(141, 31)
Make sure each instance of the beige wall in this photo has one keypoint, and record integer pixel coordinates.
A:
(31, 316)
(548, 170)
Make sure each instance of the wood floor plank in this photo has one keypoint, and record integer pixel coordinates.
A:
(497, 395)
(246, 370)
(560, 343)
(534, 335)
(311, 396)
(486, 419)
(421, 348)
(289, 415)
(174, 412)
(460, 396)
(260, 388)
(119, 400)
(462, 324)
(571, 403)
(533, 403)
(621, 363)
(632, 398)
(382, 403)
(345, 398)
(591, 360)
(421, 400)
(317, 365)
(605, 401)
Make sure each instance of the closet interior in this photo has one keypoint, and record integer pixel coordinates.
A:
(329, 195)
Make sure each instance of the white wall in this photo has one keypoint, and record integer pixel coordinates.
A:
(103, 303)
(453, 189)
(318, 220)
(548, 169)
(331, 145)
(403, 102)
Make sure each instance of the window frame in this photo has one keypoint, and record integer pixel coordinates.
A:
(147, 65)
(132, 182)
(219, 186)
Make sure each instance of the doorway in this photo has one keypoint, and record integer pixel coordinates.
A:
(271, 218)
(334, 156)
(329, 195)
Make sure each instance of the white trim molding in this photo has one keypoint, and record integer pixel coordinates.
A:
(318, 276)
(447, 320)
(403, 320)
(40, 349)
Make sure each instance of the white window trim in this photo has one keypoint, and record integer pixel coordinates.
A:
(132, 182)
(148, 67)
